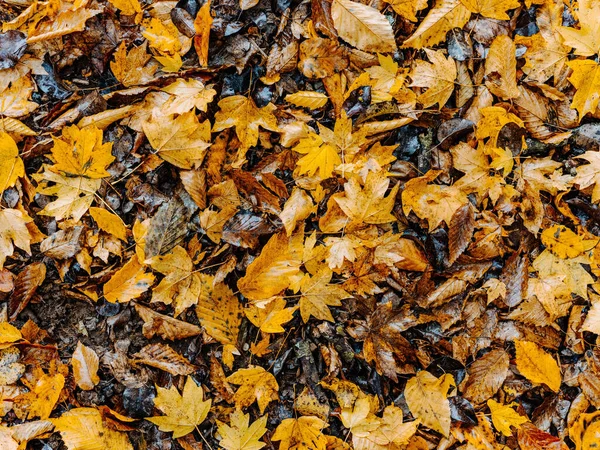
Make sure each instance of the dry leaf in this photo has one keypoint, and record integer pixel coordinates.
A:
(85, 367)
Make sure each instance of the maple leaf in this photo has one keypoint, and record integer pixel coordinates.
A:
(569, 272)
(586, 39)
(536, 365)
(11, 165)
(564, 243)
(302, 433)
(132, 68)
(319, 156)
(127, 283)
(269, 318)
(363, 26)
(183, 412)
(256, 384)
(81, 152)
(85, 367)
(13, 232)
(181, 141)
(270, 273)
(586, 79)
(239, 434)
(241, 112)
(187, 95)
(318, 294)
(446, 15)
(438, 76)
(83, 429)
(426, 397)
(408, 8)
(14, 97)
(493, 9)
(181, 285)
(503, 417)
(390, 432)
(359, 418)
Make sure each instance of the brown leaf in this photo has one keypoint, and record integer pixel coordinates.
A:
(460, 231)
(167, 228)
(26, 284)
(164, 358)
(320, 58)
(486, 376)
(63, 244)
(515, 276)
(194, 182)
(165, 326)
(532, 438)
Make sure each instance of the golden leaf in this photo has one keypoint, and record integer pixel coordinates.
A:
(11, 165)
(14, 99)
(564, 243)
(537, 366)
(446, 14)
(132, 68)
(240, 434)
(408, 8)
(83, 429)
(40, 401)
(127, 7)
(109, 222)
(183, 412)
(501, 68)
(85, 367)
(426, 397)
(297, 208)
(66, 22)
(586, 39)
(269, 318)
(303, 433)
(494, 9)
(256, 384)
(503, 417)
(164, 37)
(363, 26)
(127, 283)
(438, 76)
(219, 312)
(187, 95)
(318, 294)
(307, 99)
(202, 25)
(13, 232)
(586, 79)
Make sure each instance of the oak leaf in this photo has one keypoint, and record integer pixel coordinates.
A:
(84, 429)
(303, 433)
(85, 363)
(80, 152)
(11, 165)
(426, 397)
(438, 77)
(446, 15)
(504, 417)
(537, 366)
(256, 384)
(240, 434)
(363, 26)
(127, 283)
(183, 412)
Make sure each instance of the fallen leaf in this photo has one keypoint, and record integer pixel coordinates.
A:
(302, 433)
(504, 417)
(426, 397)
(256, 384)
(240, 434)
(128, 283)
(537, 366)
(85, 363)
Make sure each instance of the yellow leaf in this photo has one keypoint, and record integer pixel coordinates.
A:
(270, 273)
(494, 9)
(570, 271)
(129, 282)
(307, 99)
(426, 397)
(202, 25)
(501, 68)
(359, 419)
(11, 165)
(40, 401)
(270, 317)
(368, 204)
(85, 367)
(127, 7)
(10, 371)
(132, 68)
(592, 320)
(446, 15)
(256, 384)
(318, 156)
(390, 433)
(503, 417)
(187, 95)
(14, 99)
(586, 79)
(109, 222)
(239, 434)
(164, 37)
(363, 26)
(438, 76)
(297, 208)
(241, 112)
(13, 232)
(81, 152)
(586, 39)
(183, 412)
(10, 125)
(408, 8)
(170, 63)
(564, 243)
(83, 429)
(74, 194)
(303, 433)
(181, 285)
(9, 333)
(589, 174)
(219, 312)
(66, 22)
(537, 366)
(318, 295)
(181, 141)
